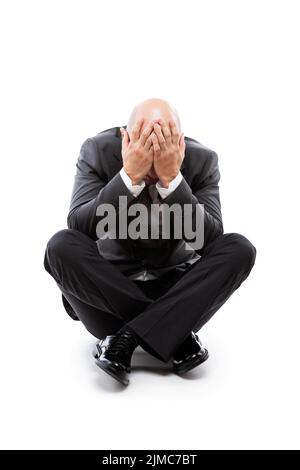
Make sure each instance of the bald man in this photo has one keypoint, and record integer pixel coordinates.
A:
(152, 290)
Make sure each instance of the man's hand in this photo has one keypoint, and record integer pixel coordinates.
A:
(137, 153)
(169, 148)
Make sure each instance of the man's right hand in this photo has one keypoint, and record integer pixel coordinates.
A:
(137, 153)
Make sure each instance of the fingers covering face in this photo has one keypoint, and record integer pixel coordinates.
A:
(160, 136)
(135, 135)
(169, 130)
(175, 135)
(146, 133)
(149, 142)
(156, 146)
(158, 132)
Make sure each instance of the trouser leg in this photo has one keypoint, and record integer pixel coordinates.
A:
(101, 324)
(102, 298)
(98, 322)
(73, 260)
(198, 294)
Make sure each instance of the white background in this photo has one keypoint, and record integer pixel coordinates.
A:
(70, 69)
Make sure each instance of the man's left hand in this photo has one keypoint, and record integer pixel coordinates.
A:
(169, 148)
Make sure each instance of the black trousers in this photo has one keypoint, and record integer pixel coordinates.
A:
(162, 312)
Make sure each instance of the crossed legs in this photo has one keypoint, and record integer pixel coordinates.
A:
(104, 299)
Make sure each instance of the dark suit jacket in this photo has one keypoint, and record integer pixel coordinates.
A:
(97, 181)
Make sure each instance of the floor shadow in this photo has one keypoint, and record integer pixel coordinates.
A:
(143, 362)
(198, 373)
(107, 383)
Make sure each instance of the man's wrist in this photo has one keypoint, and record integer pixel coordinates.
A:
(165, 182)
(134, 180)
(164, 191)
(135, 189)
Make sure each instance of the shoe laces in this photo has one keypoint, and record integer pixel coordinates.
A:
(122, 344)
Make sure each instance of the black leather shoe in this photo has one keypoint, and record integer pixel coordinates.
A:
(113, 355)
(189, 355)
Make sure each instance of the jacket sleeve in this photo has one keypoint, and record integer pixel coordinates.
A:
(92, 188)
(204, 189)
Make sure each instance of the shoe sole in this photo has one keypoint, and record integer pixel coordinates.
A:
(95, 353)
(110, 371)
(192, 365)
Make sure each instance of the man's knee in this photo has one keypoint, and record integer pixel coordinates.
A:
(243, 251)
(60, 246)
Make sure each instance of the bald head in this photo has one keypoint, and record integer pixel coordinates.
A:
(152, 108)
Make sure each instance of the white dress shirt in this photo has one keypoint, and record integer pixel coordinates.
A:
(136, 189)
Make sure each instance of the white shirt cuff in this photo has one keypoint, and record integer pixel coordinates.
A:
(164, 192)
(135, 189)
